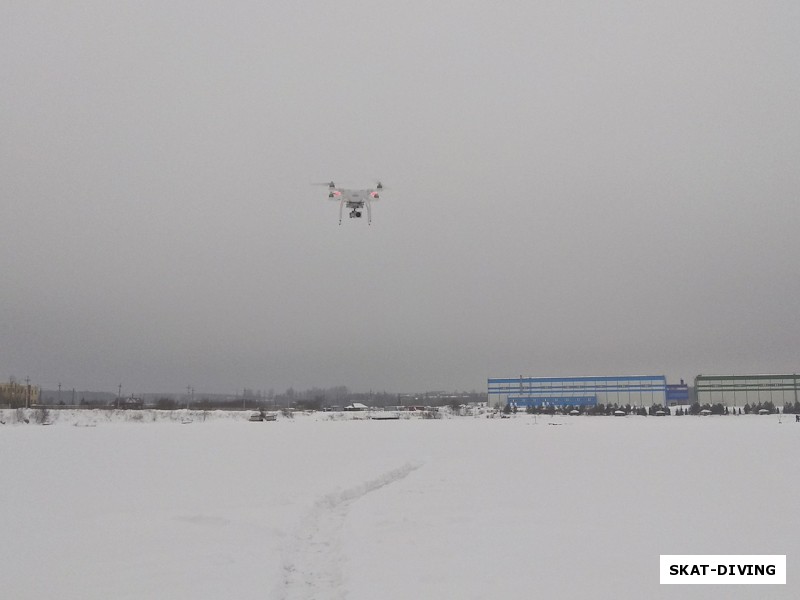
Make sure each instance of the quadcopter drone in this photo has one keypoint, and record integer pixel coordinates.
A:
(355, 200)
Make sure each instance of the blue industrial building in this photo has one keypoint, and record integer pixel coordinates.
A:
(636, 390)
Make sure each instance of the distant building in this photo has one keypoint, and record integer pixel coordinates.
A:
(678, 394)
(132, 402)
(16, 395)
(636, 390)
(738, 390)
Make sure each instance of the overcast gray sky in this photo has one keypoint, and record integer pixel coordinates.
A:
(575, 188)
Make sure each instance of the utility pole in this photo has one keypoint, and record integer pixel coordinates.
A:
(27, 392)
(59, 392)
(189, 395)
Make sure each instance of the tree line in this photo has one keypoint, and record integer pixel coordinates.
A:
(656, 409)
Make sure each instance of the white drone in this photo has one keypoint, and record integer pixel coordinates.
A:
(355, 200)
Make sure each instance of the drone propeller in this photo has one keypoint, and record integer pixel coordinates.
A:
(330, 184)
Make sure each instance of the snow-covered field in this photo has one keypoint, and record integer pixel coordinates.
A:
(461, 508)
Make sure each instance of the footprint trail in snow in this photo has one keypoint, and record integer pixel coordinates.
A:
(313, 560)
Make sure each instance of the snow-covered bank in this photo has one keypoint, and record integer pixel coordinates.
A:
(92, 417)
(454, 508)
(100, 416)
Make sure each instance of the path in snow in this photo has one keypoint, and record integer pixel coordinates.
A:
(313, 558)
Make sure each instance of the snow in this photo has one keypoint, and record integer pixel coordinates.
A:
(333, 508)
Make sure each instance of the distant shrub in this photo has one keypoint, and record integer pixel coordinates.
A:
(41, 415)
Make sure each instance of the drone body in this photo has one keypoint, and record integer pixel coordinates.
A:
(355, 200)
